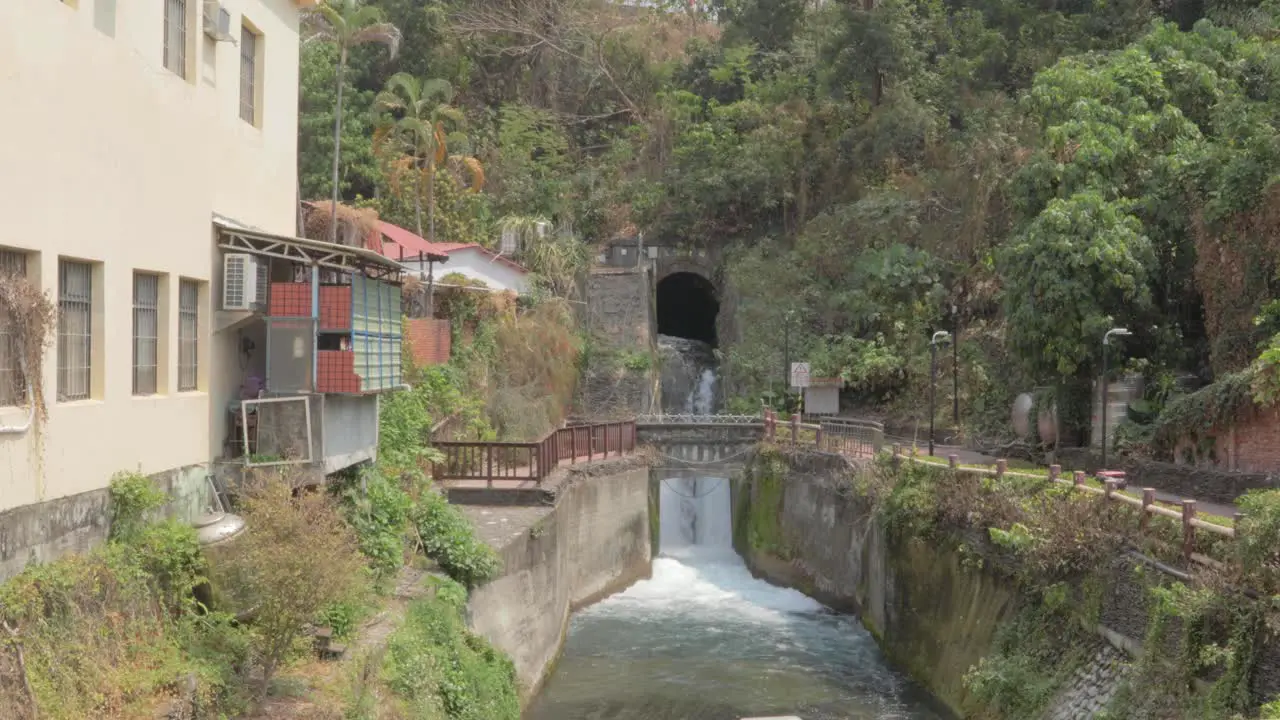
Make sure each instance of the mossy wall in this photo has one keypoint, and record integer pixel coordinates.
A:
(979, 624)
(800, 523)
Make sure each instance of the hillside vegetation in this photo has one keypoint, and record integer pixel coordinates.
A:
(1029, 173)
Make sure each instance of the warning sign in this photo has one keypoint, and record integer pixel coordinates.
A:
(800, 375)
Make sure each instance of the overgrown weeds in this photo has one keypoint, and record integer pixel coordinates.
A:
(448, 538)
(439, 669)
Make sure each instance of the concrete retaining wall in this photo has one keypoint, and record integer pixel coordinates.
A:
(933, 617)
(595, 541)
(935, 604)
(45, 531)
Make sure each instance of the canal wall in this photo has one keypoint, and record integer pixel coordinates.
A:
(594, 541)
(936, 602)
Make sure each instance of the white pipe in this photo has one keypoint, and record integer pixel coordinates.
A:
(31, 416)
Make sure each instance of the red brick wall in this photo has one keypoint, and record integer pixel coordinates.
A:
(1252, 446)
(429, 341)
(1258, 443)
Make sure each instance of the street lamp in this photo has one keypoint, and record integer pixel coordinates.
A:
(1106, 342)
(955, 365)
(941, 335)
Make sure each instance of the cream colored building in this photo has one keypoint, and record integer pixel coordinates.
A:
(126, 125)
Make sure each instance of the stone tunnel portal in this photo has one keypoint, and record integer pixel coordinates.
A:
(687, 307)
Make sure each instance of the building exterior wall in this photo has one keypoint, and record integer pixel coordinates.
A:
(476, 265)
(113, 159)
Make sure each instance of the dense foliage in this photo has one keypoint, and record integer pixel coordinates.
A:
(1029, 174)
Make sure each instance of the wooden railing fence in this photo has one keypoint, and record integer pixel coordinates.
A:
(1111, 492)
(490, 461)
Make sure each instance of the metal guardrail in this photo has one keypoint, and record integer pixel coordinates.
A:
(690, 419)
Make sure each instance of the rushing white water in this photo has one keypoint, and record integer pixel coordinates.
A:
(702, 639)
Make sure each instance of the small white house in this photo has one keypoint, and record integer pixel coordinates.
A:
(468, 259)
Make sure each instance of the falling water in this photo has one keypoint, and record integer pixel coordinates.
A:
(704, 640)
(688, 375)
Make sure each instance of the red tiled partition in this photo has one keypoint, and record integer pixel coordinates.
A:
(336, 372)
(429, 341)
(335, 307)
(290, 299)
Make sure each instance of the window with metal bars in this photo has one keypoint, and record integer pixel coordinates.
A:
(146, 333)
(188, 327)
(13, 384)
(175, 36)
(248, 75)
(75, 329)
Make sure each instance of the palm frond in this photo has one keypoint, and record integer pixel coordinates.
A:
(442, 144)
(477, 173)
(384, 33)
(437, 88)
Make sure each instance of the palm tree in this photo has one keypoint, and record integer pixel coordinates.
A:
(410, 128)
(414, 116)
(347, 23)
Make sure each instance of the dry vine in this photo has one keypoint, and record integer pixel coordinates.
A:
(29, 317)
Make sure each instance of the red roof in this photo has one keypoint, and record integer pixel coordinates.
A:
(401, 244)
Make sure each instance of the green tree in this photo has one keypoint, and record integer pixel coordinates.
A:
(1077, 270)
(347, 24)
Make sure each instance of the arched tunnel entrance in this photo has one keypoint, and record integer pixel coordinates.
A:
(687, 307)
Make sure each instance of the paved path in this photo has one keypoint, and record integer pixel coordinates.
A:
(973, 457)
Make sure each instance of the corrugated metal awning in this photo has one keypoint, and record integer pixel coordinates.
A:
(236, 236)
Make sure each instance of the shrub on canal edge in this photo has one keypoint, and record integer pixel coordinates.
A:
(439, 669)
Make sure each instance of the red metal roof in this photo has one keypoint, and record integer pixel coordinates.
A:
(401, 244)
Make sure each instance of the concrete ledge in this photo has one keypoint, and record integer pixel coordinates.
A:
(593, 541)
(45, 531)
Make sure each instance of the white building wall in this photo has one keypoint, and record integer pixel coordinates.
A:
(476, 265)
(109, 157)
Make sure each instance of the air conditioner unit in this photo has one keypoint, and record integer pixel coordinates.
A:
(217, 21)
(240, 275)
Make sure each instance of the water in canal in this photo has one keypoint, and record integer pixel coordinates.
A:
(703, 640)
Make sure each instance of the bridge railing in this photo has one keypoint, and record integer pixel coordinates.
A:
(847, 436)
(691, 419)
(533, 461)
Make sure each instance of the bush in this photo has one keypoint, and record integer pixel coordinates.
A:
(298, 557)
(103, 634)
(447, 538)
(440, 669)
(378, 511)
(133, 497)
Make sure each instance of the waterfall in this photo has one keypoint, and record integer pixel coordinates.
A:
(695, 516)
(689, 376)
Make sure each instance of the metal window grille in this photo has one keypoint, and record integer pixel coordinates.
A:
(146, 333)
(188, 326)
(248, 74)
(75, 329)
(175, 36)
(13, 386)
